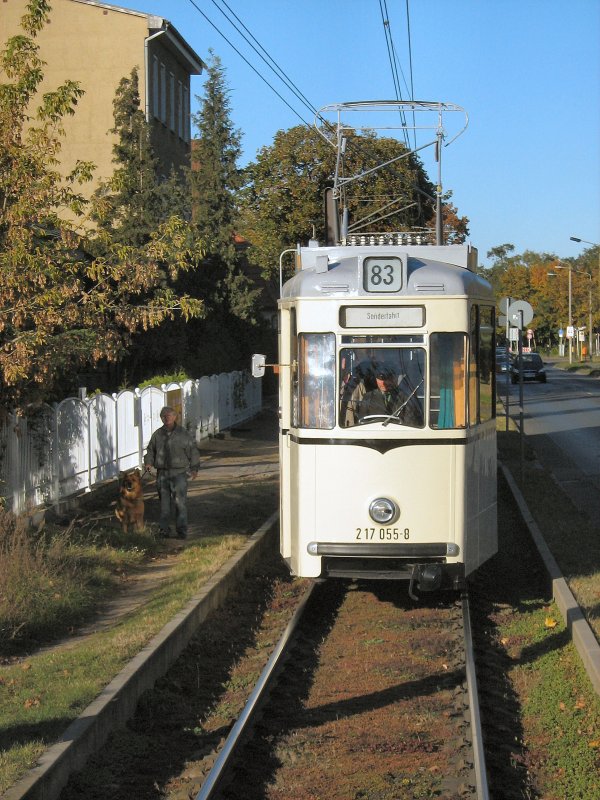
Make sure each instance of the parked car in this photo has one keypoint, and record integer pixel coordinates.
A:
(533, 368)
(503, 363)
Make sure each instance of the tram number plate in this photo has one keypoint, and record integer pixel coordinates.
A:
(382, 274)
(382, 534)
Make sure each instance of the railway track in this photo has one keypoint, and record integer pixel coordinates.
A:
(363, 680)
(373, 700)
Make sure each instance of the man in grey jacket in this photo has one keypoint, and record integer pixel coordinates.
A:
(172, 452)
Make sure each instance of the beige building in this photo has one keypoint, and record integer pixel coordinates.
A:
(98, 44)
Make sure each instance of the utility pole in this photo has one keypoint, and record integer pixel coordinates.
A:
(594, 244)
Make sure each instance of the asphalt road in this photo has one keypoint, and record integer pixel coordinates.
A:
(562, 423)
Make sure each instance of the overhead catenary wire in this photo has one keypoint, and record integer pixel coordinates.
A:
(395, 65)
(410, 67)
(273, 65)
(253, 68)
(239, 26)
(242, 30)
(393, 60)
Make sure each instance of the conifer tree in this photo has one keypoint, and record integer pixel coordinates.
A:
(215, 179)
(131, 203)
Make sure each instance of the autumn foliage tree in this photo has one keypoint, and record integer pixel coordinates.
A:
(542, 279)
(60, 307)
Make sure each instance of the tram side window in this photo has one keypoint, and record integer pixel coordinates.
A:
(487, 324)
(314, 404)
(293, 344)
(481, 405)
(473, 371)
(447, 406)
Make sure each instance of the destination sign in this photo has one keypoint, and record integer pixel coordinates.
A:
(383, 316)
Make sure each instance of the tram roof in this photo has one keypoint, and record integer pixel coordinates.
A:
(431, 270)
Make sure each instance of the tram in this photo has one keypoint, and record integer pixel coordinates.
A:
(387, 411)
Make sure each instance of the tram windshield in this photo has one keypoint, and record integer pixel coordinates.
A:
(382, 385)
(383, 380)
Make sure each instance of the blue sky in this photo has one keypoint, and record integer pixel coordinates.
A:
(526, 171)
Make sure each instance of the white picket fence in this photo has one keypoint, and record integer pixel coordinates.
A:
(61, 450)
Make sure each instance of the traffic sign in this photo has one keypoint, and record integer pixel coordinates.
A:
(520, 313)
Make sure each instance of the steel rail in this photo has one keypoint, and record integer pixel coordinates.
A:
(476, 733)
(218, 769)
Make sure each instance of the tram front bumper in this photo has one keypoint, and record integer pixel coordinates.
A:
(423, 565)
(385, 550)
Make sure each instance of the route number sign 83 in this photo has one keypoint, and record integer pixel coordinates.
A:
(382, 274)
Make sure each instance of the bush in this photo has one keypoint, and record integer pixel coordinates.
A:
(175, 377)
(37, 585)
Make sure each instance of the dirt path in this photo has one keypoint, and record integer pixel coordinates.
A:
(222, 500)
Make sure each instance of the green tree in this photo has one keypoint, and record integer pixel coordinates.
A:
(133, 202)
(60, 308)
(215, 181)
(126, 204)
(282, 201)
(501, 259)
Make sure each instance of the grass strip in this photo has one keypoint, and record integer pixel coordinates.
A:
(43, 694)
(541, 696)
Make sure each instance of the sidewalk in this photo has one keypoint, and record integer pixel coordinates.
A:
(231, 461)
(231, 466)
(591, 368)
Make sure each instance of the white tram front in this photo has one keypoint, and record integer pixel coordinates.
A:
(387, 413)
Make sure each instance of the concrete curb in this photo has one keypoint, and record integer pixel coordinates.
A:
(583, 637)
(118, 701)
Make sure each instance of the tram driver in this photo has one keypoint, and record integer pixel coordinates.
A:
(389, 399)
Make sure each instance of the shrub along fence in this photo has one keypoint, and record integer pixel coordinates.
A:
(58, 451)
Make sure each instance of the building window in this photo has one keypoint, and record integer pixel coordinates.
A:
(186, 115)
(180, 110)
(163, 94)
(155, 106)
(172, 101)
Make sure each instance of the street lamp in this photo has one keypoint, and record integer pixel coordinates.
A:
(577, 272)
(594, 244)
(589, 274)
(570, 326)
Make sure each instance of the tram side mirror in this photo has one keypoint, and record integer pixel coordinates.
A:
(258, 365)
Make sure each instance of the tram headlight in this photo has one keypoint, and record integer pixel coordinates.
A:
(384, 511)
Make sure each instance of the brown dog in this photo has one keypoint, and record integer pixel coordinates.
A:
(130, 505)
